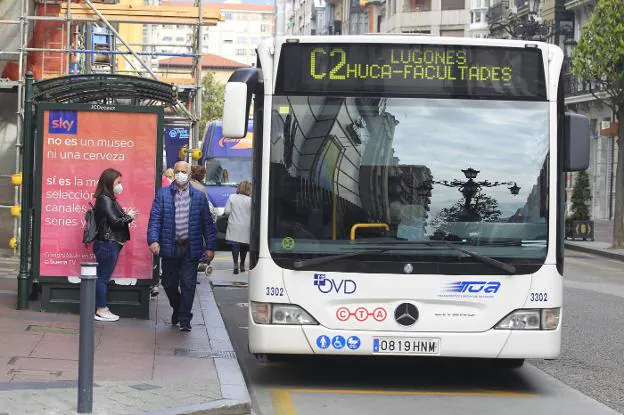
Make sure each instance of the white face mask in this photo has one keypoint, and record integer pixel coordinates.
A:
(181, 178)
(117, 189)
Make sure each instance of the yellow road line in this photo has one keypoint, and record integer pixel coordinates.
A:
(281, 402)
(424, 392)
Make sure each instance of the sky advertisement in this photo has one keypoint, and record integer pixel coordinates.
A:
(78, 145)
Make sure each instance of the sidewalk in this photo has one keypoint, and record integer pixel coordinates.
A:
(601, 245)
(141, 366)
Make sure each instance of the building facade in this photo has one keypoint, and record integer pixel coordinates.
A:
(579, 98)
(434, 17)
(235, 38)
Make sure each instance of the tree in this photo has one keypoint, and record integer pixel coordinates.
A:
(599, 57)
(212, 100)
(581, 194)
(482, 208)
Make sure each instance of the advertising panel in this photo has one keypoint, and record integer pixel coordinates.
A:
(77, 145)
(175, 139)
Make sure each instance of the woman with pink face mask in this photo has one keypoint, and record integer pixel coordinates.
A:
(112, 232)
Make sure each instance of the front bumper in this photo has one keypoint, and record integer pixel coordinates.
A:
(302, 340)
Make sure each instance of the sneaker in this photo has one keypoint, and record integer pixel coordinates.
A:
(106, 315)
(235, 271)
(185, 326)
(242, 269)
(174, 319)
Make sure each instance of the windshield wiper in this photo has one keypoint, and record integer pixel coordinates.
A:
(485, 259)
(330, 258)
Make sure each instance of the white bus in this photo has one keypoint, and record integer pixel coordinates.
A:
(408, 195)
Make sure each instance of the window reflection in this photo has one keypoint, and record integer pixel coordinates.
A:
(337, 162)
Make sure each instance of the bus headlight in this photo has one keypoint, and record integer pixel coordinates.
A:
(284, 314)
(531, 319)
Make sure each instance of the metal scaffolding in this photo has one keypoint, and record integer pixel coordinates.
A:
(75, 53)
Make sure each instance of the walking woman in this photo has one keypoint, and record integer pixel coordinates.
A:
(113, 232)
(238, 211)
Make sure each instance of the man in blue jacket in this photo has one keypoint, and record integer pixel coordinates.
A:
(181, 231)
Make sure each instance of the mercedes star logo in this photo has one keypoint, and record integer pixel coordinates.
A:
(408, 268)
(406, 314)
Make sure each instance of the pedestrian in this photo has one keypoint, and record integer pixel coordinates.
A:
(167, 178)
(238, 212)
(112, 232)
(181, 231)
(197, 181)
(198, 173)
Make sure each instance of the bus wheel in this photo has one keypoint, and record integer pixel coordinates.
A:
(509, 363)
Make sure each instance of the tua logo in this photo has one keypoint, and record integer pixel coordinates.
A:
(63, 122)
(328, 285)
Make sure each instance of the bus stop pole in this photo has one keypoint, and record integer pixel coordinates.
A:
(27, 167)
(88, 279)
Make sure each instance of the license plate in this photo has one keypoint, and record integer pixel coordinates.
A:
(402, 345)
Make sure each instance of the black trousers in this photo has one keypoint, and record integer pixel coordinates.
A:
(179, 278)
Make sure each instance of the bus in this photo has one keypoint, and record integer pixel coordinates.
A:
(227, 162)
(407, 196)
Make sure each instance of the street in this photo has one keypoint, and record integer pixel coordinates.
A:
(587, 379)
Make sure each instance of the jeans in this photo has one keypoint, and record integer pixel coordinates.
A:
(179, 277)
(106, 255)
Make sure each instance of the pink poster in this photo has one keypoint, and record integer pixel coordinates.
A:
(77, 147)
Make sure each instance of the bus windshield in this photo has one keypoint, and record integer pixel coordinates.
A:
(387, 174)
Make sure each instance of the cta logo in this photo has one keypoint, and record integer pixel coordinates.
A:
(63, 122)
(361, 314)
(328, 285)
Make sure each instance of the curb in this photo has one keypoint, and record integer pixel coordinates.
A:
(599, 252)
(219, 407)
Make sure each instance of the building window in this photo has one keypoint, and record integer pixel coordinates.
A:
(265, 27)
(180, 39)
(228, 41)
(477, 17)
(240, 52)
(453, 5)
(167, 38)
(227, 15)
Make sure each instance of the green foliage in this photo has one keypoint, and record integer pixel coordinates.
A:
(599, 55)
(581, 195)
(212, 100)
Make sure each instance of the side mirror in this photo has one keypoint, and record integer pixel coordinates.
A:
(575, 143)
(235, 110)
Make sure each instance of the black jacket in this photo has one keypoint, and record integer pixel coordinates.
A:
(112, 220)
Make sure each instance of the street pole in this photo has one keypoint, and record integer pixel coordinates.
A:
(88, 279)
(27, 167)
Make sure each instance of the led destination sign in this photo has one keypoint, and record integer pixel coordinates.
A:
(430, 70)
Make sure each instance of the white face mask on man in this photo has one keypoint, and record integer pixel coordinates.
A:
(181, 178)
(117, 189)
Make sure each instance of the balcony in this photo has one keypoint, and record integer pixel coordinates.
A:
(573, 4)
(425, 20)
(579, 90)
(497, 12)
